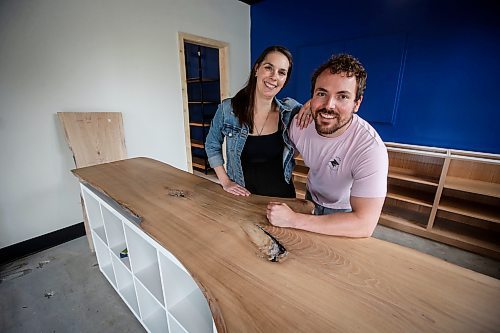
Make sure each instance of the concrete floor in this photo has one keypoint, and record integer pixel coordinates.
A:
(62, 290)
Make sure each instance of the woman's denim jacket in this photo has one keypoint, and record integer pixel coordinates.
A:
(225, 124)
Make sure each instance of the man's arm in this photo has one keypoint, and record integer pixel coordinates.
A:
(359, 223)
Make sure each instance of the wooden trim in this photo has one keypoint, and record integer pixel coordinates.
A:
(224, 81)
(442, 154)
(476, 156)
(203, 41)
(224, 72)
(407, 147)
(185, 106)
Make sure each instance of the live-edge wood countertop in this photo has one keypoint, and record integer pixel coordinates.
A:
(326, 284)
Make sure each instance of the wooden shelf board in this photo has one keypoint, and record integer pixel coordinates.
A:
(197, 144)
(198, 124)
(299, 161)
(200, 166)
(202, 80)
(300, 177)
(401, 224)
(199, 162)
(301, 169)
(300, 194)
(473, 186)
(475, 210)
(408, 196)
(397, 173)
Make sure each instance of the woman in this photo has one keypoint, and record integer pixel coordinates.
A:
(255, 125)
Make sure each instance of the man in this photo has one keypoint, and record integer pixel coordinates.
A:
(347, 159)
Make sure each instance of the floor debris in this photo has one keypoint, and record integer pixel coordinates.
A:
(49, 294)
(43, 263)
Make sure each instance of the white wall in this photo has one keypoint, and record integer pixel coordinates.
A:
(94, 55)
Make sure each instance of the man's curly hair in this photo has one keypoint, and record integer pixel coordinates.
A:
(343, 63)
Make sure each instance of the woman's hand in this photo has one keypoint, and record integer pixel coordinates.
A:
(227, 184)
(233, 188)
(304, 117)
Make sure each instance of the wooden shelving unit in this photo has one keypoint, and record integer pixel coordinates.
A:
(460, 202)
(203, 92)
(299, 177)
(447, 195)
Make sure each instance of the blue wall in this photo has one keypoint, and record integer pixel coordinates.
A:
(432, 65)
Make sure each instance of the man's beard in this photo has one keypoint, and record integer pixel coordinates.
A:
(332, 128)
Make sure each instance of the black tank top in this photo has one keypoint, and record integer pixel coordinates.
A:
(262, 162)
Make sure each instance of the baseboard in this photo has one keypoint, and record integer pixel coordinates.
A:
(40, 243)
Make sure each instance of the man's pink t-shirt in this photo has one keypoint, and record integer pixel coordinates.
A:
(352, 164)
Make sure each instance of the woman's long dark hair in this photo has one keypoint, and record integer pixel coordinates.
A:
(244, 100)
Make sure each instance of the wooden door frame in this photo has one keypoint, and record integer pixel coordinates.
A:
(223, 48)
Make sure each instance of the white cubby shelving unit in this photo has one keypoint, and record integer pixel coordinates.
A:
(156, 287)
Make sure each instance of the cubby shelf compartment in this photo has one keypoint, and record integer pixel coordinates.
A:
(174, 325)
(198, 162)
(410, 195)
(125, 285)
(153, 315)
(94, 215)
(476, 210)
(104, 259)
(460, 190)
(473, 186)
(197, 144)
(156, 287)
(144, 263)
(467, 237)
(399, 173)
(185, 303)
(115, 234)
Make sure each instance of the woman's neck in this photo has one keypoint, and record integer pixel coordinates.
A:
(262, 105)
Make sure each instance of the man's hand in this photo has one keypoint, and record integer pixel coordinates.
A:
(304, 117)
(280, 215)
(233, 188)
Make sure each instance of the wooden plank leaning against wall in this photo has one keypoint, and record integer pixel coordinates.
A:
(93, 138)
